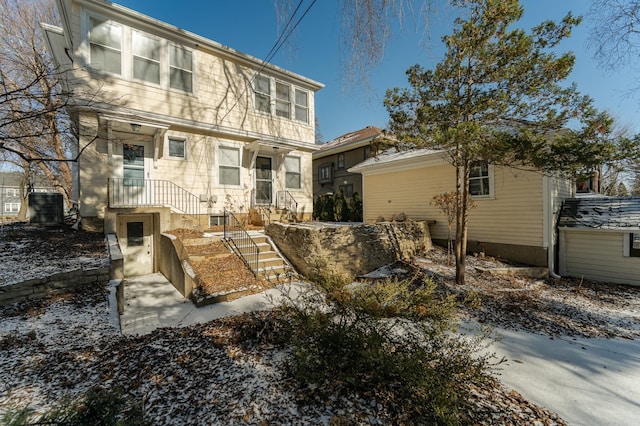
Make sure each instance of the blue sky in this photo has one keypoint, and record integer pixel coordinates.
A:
(250, 27)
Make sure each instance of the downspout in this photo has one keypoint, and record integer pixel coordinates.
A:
(550, 225)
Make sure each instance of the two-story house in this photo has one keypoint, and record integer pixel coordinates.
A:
(332, 161)
(175, 129)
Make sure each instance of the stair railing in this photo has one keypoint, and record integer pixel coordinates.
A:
(284, 200)
(241, 242)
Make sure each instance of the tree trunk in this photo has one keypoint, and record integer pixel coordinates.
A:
(462, 195)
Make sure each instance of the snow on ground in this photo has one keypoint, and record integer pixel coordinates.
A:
(569, 347)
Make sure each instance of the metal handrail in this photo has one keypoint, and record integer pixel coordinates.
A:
(241, 242)
(284, 200)
(149, 192)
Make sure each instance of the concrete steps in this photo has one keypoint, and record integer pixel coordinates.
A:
(271, 264)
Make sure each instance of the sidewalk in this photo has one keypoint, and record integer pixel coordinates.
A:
(151, 302)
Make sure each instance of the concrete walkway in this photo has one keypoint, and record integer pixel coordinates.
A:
(151, 301)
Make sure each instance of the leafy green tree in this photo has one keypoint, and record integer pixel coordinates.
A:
(498, 95)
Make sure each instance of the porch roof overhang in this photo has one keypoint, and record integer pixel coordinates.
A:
(266, 148)
(155, 130)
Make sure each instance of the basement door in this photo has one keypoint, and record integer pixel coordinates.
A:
(135, 235)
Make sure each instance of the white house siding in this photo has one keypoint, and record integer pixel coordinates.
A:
(597, 255)
(512, 216)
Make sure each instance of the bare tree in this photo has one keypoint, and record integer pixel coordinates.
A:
(365, 28)
(36, 133)
(615, 32)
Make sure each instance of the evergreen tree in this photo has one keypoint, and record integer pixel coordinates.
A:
(499, 95)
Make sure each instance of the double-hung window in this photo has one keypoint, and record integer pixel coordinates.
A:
(325, 173)
(302, 106)
(105, 45)
(12, 207)
(292, 173)
(180, 68)
(479, 179)
(283, 100)
(262, 92)
(340, 161)
(229, 165)
(146, 58)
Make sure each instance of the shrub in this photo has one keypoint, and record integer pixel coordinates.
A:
(391, 341)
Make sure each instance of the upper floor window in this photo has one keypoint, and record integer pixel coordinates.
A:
(262, 94)
(479, 179)
(283, 100)
(325, 173)
(340, 161)
(177, 148)
(229, 165)
(289, 101)
(146, 58)
(292, 175)
(11, 192)
(180, 68)
(105, 41)
(302, 106)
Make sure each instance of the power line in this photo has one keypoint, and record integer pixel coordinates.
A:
(284, 35)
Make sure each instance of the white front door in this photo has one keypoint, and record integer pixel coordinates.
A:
(135, 234)
(137, 188)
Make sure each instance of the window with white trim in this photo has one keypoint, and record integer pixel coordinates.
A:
(11, 192)
(105, 45)
(11, 207)
(325, 173)
(290, 102)
(479, 179)
(180, 68)
(262, 90)
(146, 57)
(293, 175)
(634, 244)
(340, 161)
(229, 165)
(302, 105)
(283, 100)
(177, 148)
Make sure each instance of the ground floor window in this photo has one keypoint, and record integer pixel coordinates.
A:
(634, 244)
(292, 167)
(12, 207)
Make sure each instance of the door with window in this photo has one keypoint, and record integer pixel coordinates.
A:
(264, 181)
(136, 186)
(135, 235)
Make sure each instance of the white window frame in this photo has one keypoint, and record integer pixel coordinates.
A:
(11, 207)
(12, 192)
(298, 172)
(301, 107)
(191, 71)
(285, 104)
(219, 164)
(144, 58)
(274, 101)
(325, 169)
(122, 49)
(185, 148)
(490, 177)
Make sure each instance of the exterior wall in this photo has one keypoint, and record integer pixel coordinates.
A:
(598, 256)
(222, 94)
(512, 216)
(219, 111)
(340, 176)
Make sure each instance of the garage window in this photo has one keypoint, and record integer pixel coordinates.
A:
(634, 244)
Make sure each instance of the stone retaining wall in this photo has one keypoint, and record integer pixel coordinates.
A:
(54, 284)
(349, 249)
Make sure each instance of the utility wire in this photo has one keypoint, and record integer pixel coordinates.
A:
(284, 35)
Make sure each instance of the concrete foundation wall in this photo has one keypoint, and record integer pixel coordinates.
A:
(172, 264)
(527, 255)
(349, 249)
